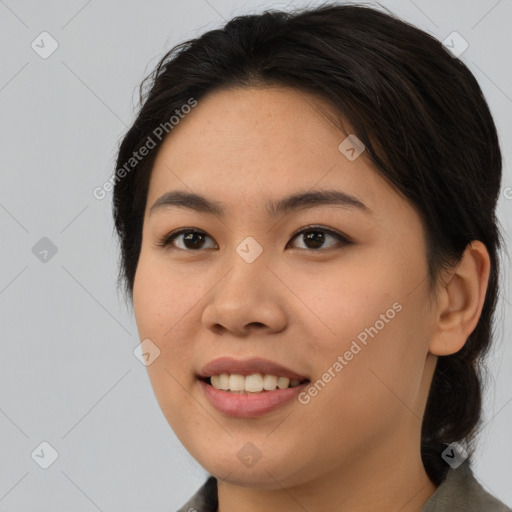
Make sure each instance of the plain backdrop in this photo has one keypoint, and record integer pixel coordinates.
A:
(68, 374)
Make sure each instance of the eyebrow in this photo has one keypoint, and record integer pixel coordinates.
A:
(297, 201)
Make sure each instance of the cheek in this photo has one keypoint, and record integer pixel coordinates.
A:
(376, 318)
(167, 302)
(162, 298)
(373, 395)
(355, 297)
(158, 308)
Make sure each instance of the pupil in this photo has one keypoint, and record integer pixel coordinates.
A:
(316, 237)
(193, 237)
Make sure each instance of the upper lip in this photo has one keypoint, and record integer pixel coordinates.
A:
(247, 367)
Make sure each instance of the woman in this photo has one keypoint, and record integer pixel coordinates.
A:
(306, 209)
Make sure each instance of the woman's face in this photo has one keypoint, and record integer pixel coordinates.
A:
(343, 304)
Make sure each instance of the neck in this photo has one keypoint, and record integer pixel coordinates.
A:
(388, 479)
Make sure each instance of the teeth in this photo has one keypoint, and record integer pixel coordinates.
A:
(223, 380)
(269, 382)
(283, 382)
(254, 383)
(236, 382)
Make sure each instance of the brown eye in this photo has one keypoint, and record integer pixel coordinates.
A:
(191, 239)
(314, 237)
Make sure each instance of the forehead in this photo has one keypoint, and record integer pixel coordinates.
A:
(251, 145)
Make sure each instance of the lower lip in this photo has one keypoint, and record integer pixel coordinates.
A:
(249, 405)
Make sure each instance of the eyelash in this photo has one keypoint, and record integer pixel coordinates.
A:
(167, 240)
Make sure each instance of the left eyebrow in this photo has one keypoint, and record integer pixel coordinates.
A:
(297, 201)
(311, 199)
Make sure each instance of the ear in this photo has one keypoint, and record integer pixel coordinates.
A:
(460, 299)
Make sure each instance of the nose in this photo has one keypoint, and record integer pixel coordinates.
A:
(247, 299)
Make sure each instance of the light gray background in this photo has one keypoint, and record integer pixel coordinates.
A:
(68, 375)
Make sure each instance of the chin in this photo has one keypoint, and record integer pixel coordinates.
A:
(262, 478)
(265, 474)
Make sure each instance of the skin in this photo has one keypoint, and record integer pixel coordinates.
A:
(298, 305)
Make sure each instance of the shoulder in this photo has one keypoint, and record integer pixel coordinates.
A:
(204, 499)
(461, 492)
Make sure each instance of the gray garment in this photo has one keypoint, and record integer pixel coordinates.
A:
(460, 492)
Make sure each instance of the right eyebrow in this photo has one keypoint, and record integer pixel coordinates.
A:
(297, 201)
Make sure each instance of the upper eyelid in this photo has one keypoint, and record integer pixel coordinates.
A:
(169, 238)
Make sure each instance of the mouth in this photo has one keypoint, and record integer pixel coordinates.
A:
(255, 375)
(249, 388)
(243, 403)
(252, 383)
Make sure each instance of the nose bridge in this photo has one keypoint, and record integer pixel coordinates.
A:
(248, 268)
(245, 295)
(250, 250)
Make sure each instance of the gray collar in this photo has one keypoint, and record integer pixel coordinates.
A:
(460, 492)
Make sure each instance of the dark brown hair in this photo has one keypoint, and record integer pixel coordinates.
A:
(418, 110)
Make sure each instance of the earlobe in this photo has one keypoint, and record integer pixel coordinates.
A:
(460, 300)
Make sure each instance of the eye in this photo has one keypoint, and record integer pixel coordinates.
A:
(314, 237)
(193, 239)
